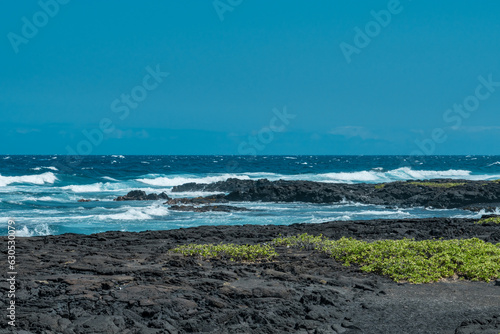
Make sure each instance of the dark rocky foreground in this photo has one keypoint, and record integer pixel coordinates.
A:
(438, 193)
(119, 282)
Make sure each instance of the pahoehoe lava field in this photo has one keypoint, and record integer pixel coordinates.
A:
(124, 282)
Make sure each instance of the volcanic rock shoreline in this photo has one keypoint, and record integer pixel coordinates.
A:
(437, 193)
(125, 282)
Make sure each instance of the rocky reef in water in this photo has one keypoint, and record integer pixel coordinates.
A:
(437, 193)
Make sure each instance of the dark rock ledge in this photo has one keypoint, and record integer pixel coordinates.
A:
(139, 195)
(438, 193)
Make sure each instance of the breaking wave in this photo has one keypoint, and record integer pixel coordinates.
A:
(40, 179)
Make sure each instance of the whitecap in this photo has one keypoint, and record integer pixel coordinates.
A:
(39, 179)
(381, 213)
(136, 213)
(315, 220)
(156, 210)
(42, 198)
(187, 193)
(109, 178)
(49, 167)
(170, 181)
(94, 187)
(372, 176)
(41, 229)
(131, 214)
(399, 174)
(479, 214)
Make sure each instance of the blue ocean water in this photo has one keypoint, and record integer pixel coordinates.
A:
(41, 192)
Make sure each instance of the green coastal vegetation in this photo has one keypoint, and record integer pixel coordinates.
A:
(435, 184)
(427, 184)
(409, 260)
(495, 220)
(230, 252)
(438, 185)
(404, 260)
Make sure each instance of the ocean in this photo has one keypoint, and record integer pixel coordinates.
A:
(41, 193)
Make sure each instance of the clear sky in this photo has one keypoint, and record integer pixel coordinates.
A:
(250, 77)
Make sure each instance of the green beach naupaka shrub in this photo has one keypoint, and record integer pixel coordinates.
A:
(409, 260)
(231, 252)
(402, 260)
(495, 220)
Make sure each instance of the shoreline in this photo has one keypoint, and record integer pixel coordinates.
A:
(128, 282)
(436, 193)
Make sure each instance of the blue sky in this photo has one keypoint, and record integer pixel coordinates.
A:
(235, 68)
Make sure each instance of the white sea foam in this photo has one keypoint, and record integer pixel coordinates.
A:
(170, 181)
(39, 179)
(35, 199)
(94, 187)
(495, 163)
(136, 213)
(156, 210)
(131, 214)
(380, 213)
(121, 213)
(403, 173)
(49, 167)
(342, 177)
(315, 220)
(188, 193)
(40, 229)
(118, 156)
(479, 214)
(109, 178)
(376, 175)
